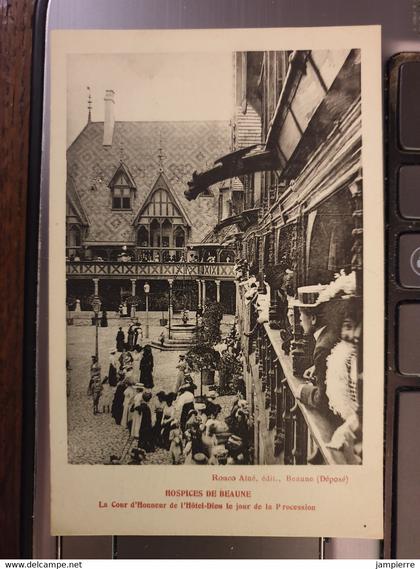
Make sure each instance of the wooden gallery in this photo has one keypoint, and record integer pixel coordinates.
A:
(292, 189)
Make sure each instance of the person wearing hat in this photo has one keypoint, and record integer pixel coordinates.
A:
(117, 408)
(112, 370)
(184, 404)
(97, 389)
(135, 404)
(209, 443)
(95, 371)
(130, 338)
(167, 418)
(138, 334)
(120, 340)
(129, 393)
(193, 422)
(315, 321)
(199, 458)
(201, 409)
(175, 442)
(221, 454)
(146, 440)
(146, 368)
(162, 338)
(190, 382)
(211, 395)
(181, 367)
(235, 448)
(125, 358)
(159, 404)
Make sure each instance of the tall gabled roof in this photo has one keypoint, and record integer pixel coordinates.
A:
(162, 182)
(75, 203)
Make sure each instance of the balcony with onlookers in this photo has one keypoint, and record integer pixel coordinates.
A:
(151, 262)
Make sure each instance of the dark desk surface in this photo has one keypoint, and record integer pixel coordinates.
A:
(15, 66)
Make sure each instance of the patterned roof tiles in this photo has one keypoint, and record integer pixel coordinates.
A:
(187, 146)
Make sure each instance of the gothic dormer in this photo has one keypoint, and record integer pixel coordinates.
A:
(123, 188)
(162, 222)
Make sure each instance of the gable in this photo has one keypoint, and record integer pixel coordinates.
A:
(161, 202)
(122, 178)
(74, 207)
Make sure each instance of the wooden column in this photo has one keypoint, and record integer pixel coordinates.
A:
(170, 304)
(217, 290)
(204, 293)
(96, 287)
(133, 286)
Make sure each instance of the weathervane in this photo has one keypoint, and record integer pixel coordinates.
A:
(161, 155)
(122, 153)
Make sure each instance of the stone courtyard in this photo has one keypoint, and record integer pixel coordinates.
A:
(92, 439)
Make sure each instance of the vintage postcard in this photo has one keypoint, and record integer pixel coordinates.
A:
(216, 290)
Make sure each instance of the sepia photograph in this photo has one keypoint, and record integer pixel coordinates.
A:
(216, 282)
(214, 258)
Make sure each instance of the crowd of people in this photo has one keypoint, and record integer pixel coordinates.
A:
(329, 317)
(190, 427)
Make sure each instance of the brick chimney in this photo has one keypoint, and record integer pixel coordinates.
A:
(109, 119)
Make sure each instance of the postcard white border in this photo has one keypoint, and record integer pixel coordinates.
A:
(351, 510)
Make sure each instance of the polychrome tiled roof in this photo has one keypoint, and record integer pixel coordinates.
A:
(186, 146)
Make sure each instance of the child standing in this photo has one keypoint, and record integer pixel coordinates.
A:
(175, 439)
(107, 395)
(96, 392)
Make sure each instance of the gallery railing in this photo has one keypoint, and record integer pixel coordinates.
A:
(149, 270)
(301, 434)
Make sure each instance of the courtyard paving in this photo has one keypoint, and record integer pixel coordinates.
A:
(92, 439)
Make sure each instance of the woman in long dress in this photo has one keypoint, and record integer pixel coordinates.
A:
(118, 402)
(112, 371)
(180, 377)
(159, 403)
(129, 394)
(167, 419)
(146, 441)
(120, 340)
(136, 354)
(137, 400)
(146, 368)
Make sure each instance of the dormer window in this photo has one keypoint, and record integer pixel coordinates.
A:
(121, 198)
(122, 188)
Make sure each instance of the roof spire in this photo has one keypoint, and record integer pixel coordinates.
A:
(89, 105)
(160, 155)
(122, 153)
